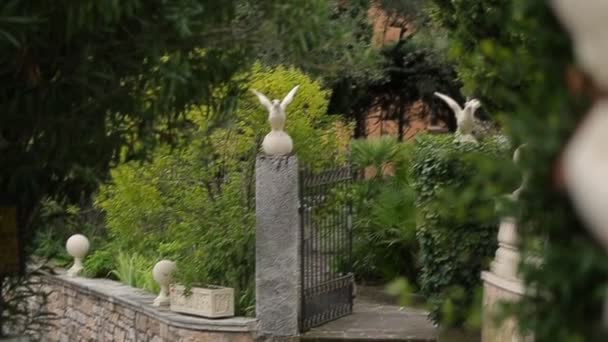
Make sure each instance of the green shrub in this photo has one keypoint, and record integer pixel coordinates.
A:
(456, 228)
(57, 221)
(194, 203)
(135, 270)
(384, 245)
(100, 263)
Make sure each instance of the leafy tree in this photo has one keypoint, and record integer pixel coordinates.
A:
(384, 238)
(405, 13)
(86, 84)
(413, 72)
(348, 54)
(194, 203)
(479, 42)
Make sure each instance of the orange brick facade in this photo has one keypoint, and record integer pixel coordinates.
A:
(388, 29)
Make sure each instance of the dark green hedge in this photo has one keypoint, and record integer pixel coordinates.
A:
(456, 225)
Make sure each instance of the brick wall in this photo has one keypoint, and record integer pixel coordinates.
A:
(388, 29)
(105, 310)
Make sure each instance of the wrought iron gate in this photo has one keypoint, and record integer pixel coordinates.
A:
(326, 223)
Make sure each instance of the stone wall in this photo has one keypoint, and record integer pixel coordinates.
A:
(105, 310)
(277, 249)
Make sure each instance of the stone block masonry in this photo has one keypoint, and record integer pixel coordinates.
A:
(105, 310)
(278, 256)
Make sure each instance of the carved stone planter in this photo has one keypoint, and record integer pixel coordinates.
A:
(210, 302)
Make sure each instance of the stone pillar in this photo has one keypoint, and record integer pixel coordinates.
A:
(502, 284)
(278, 256)
(506, 259)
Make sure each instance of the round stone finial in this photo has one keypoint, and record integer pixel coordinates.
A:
(77, 246)
(163, 275)
(277, 143)
(162, 272)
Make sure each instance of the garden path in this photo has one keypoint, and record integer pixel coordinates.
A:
(376, 318)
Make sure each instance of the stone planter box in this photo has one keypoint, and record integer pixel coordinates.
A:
(210, 302)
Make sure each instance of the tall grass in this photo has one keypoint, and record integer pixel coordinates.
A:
(135, 270)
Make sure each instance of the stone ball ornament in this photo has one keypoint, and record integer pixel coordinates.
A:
(277, 142)
(77, 246)
(163, 275)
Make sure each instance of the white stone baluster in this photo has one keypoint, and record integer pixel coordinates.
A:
(163, 275)
(502, 282)
(78, 247)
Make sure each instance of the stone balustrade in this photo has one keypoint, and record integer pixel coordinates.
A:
(501, 284)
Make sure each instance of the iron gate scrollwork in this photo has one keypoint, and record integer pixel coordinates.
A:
(326, 223)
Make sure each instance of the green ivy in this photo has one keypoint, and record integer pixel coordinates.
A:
(456, 225)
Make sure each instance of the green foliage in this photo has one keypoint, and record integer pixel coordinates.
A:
(100, 263)
(384, 228)
(194, 203)
(413, 72)
(516, 57)
(402, 289)
(135, 270)
(346, 52)
(132, 70)
(319, 140)
(477, 45)
(456, 228)
(572, 280)
(58, 221)
(377, 154)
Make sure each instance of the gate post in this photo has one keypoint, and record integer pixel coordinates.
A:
(278, 255)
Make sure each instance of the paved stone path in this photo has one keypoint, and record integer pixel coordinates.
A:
(377, 322)
(375, 319)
